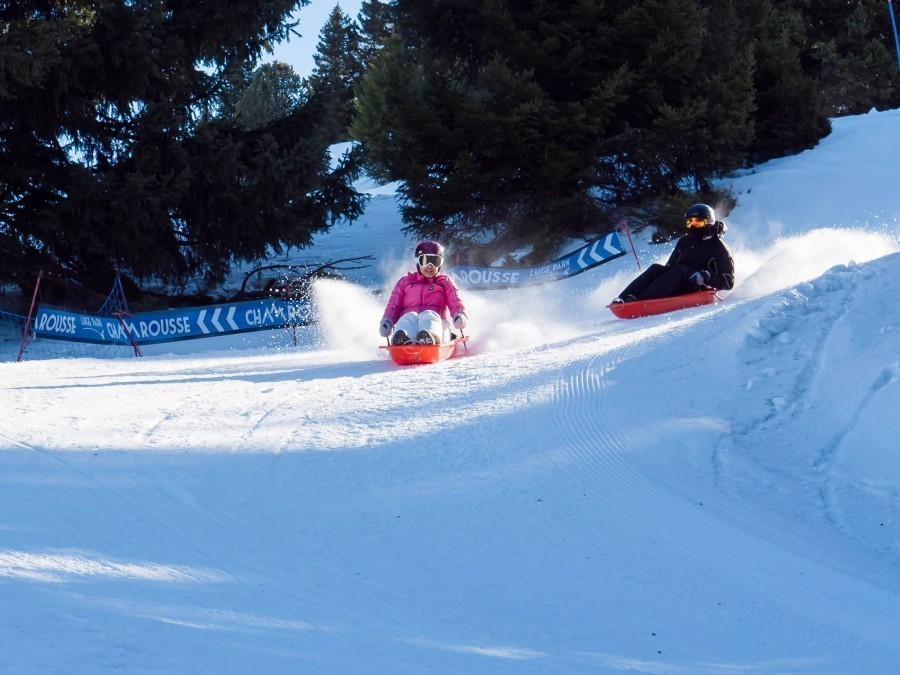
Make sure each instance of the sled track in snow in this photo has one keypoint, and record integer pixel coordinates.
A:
(592, 436)
(596, 446)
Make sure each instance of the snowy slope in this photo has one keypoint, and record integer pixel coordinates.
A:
(713, 491)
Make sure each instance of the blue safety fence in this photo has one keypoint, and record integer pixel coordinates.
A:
(171, 325)
(54, 331)
(11, 327)
(596, 252)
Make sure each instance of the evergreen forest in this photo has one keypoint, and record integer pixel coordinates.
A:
(153, 138)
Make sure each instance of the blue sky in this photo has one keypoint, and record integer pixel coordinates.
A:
(298, 52)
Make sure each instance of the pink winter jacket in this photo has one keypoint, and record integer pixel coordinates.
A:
(415, 293)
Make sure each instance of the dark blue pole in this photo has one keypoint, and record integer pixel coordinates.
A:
(894, 24)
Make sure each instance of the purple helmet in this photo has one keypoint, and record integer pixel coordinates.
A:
(429, 253)
(429, 247)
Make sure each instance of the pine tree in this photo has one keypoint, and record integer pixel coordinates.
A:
(338, 68)
(376, 23)
(117, 148)
(540, 119)
(851, 55)
(790, 116)
(689, 113)
(233, 83)
(725, 132)
(273, 93)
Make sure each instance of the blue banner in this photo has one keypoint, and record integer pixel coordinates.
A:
(596, 252)
(173, 324)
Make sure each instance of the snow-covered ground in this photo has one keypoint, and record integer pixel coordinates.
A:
(712, 491)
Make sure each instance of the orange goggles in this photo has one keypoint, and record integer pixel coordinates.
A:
(694, 221)
(430, 259)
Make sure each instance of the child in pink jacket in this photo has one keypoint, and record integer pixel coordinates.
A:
(423, 302)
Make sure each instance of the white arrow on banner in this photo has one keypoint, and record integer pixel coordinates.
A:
(592, 251)
(215, 319)
(230, 318)
(608, 245)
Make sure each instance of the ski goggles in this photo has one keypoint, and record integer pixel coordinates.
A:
(430, 259)
(694, 221)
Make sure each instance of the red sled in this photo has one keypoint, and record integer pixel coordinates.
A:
(407, 355)
(638, 308)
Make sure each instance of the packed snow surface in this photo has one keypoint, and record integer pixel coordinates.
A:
(711, 491)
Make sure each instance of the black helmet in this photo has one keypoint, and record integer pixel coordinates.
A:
(429, 252)
(702, 211)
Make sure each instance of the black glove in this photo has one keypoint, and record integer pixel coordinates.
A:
(700, 277)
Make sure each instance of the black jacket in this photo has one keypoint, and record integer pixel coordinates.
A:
(709, 253)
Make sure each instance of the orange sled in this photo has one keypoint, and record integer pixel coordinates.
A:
(410, 354)
(633, 310)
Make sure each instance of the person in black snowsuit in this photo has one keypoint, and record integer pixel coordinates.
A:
(701, 260)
